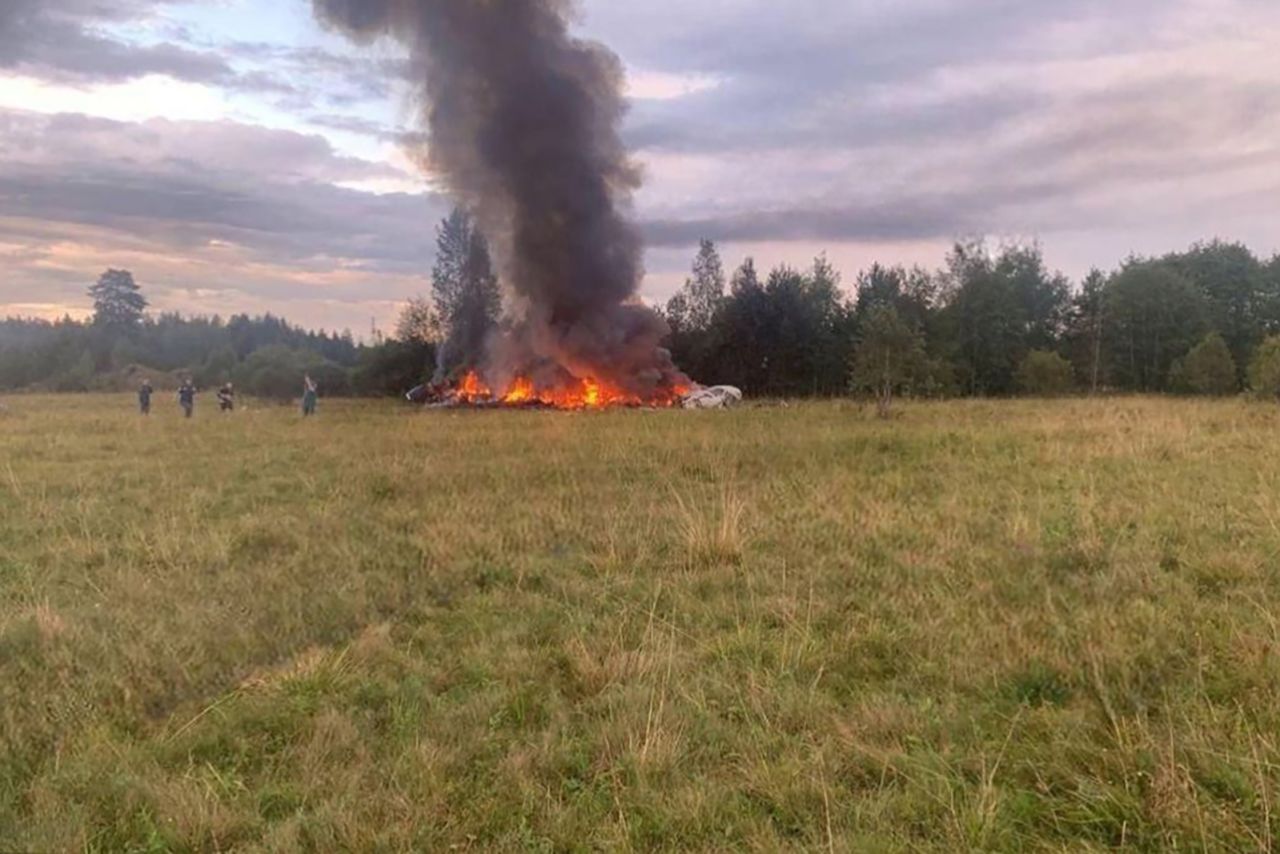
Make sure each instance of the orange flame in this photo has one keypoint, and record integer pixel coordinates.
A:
(472, 389)
(521, 391)
(587, 393)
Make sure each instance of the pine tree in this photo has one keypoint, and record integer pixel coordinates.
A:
(117, 300)
(746, 278)
(677, 313)
(705, 290)
(465, 290)
(691, 313)
(453, 245)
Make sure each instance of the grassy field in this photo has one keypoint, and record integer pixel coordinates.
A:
(1006, 626)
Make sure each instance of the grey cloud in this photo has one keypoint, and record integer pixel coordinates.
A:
(66, 41)
(320, 75)
(285, 224)
(354, 124)
(801, 73)
(1091, 161)
(710, 122)
(62, 39)
(412, 142)
(269, 192)
(804, 138)
(939, 215)
(363, 127)
(229, 151)
(793, 45)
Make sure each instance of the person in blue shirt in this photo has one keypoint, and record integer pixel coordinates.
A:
(144, 397)
(187, 397)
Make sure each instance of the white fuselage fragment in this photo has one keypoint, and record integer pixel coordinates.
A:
(714, 397)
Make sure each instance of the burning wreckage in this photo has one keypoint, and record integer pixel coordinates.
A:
(473, 392)
(523, 124)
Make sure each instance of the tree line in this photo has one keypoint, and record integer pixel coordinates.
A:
(265, 356)
(994, 321)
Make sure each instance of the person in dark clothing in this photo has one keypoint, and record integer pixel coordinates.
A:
(227, 398)
(144, 397)
(310, 394)
(187, 397)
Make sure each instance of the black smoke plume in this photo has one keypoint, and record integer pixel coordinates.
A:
(523, 123)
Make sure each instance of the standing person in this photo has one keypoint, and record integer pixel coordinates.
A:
(227, 398)
(309, 395)
(187, 397)
(144, 397)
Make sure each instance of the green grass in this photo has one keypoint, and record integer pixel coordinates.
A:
(1007, 626)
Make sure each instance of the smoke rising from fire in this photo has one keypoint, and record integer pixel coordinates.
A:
(524, 131)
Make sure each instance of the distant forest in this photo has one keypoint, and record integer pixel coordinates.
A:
(264, 356)
(993, 322)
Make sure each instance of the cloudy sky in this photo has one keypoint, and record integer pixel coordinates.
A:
(236, 157)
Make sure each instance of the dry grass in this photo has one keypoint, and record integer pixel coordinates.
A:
(996, 626)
